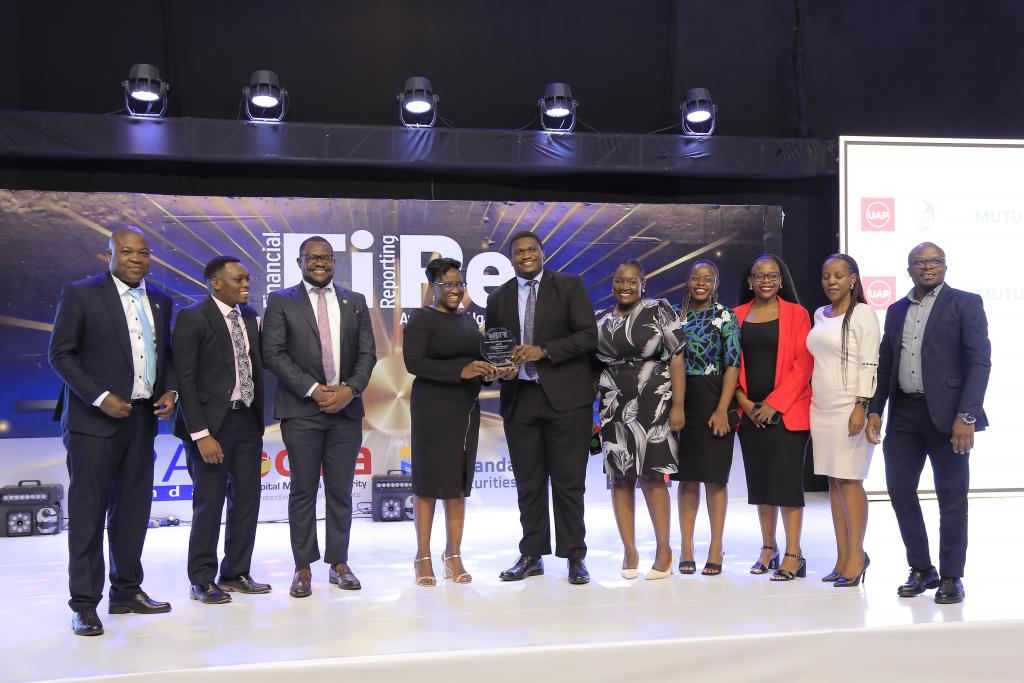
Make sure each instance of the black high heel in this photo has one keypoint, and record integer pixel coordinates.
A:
(843, 582)
(786, 575)
(831, 577)
(773, 562)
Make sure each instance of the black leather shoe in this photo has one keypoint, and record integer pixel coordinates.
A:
(86, 622)
(578, 573)
(918, 582)
(208, 593)
(342, 577)
(951, 590)
(243, 583)
(526, 565)
(140, 603)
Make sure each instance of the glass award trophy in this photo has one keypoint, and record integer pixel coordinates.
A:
(497, 347)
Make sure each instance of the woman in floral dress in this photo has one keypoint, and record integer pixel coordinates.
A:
(642, 391)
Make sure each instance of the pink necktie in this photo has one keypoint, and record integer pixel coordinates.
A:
(323, 323)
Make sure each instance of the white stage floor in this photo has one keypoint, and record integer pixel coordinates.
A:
(735, 627)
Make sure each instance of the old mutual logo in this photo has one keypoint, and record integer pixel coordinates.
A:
(880, 291)
(878, 214)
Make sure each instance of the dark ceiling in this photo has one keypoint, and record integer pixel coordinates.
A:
(906, 67)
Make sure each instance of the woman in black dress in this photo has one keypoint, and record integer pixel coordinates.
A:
(774, 394)
(442, 349)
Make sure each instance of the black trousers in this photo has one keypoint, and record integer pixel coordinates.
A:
(330, 442)
(111, 480)
(547, 445)
(236, 480)
(910, 438)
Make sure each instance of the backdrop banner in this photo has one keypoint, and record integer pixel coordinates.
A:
(381, 246)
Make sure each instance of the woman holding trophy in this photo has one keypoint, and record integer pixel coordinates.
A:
(442, 350)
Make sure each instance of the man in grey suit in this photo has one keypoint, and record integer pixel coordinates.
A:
(318, 341)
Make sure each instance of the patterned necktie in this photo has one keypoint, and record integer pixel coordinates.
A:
(147, 335)
(242, 358)
(323, 324)
(531, 309)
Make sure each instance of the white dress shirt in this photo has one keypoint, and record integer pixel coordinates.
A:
(334, 320)
(140, 388)
(524, 295)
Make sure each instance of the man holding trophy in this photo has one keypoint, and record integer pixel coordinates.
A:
(546, 402)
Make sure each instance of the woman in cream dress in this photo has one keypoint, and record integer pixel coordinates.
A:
(844, 343)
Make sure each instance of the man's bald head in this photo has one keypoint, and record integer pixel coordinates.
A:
(129, 255)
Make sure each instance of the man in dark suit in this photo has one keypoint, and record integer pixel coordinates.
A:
(318, 340)
(933, 368)
(547, 404)
(219, 420)
(110, 346)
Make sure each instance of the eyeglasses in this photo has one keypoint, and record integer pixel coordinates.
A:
(451, 286)
(319, 258)
(761, 277)
(934, 261)
(702, 279)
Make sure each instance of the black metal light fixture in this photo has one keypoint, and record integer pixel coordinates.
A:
(145, 94)
(417, 103)
(698, 112)
(557, 108)
(264, 98)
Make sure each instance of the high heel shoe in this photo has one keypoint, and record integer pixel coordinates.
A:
(831, 577)
(656, 574)
(787, 575)
(630, 572)
(773, 561)
(712, 568)
(687, 567)
(424, 580)
(843, 582)
(449, 573)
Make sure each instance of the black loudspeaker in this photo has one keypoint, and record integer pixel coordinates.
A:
(391, 497)
(31, 508)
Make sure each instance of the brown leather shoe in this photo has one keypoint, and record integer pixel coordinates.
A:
(341, 576)
(301, 587)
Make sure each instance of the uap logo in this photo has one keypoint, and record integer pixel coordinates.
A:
(878, 214)
(880, 291)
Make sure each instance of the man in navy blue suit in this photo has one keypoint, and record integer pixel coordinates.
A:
(933, 368)
(111, 347)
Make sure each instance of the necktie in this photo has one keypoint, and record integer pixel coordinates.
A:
(531, 309)
(323, 324)
(147, 335)
(245, 384)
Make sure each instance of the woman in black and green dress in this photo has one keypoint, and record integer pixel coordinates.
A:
(706, 441)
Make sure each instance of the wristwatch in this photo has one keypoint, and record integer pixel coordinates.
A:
(544, 350)
(355, 392)
(967, 418)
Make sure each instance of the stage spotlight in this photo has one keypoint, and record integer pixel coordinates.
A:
(557, 108)
(265, 100)
(144, 93)
(698, 112)
(417, 103)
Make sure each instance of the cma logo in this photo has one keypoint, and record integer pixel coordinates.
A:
(878, 214)
(279, 463)
(880, 291)
(387, 269)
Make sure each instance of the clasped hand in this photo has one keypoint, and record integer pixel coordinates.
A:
(332, 399)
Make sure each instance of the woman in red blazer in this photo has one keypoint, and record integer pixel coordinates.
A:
(774, 394)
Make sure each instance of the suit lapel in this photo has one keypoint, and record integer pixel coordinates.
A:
(545, 293)
(112, 301)
(220, 331)
(252, 330)
(301, 298)
(939, 306)
(512, 302)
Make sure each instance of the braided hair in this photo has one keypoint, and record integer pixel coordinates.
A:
(856, 297)
(714, 293)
